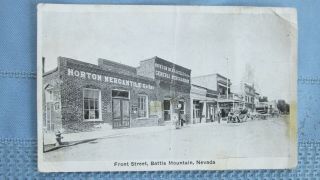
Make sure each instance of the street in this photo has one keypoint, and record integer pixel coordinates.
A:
(257, 138)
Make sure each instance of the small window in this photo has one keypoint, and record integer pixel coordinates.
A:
(91, 100)
(119, 93)
(142, 106)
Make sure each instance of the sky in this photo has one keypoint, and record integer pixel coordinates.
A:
(256, 48)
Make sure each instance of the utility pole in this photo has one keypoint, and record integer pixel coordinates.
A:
(227, 78)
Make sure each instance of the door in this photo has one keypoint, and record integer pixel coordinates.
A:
(167, 110)
(50, 116)
(121, 113)
(196, 111)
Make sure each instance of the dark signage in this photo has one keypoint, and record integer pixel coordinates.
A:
(171, 72)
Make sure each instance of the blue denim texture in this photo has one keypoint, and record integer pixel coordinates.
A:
(18, 93)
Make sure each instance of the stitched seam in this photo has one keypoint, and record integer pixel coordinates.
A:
(309, 80)
(13, 74)
(23, 141)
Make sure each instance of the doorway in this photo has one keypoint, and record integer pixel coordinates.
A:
(120, 109)
(167, 110)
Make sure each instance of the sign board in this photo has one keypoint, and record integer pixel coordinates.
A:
(155, 109)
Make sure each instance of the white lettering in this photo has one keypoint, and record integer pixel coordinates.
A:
(76, 73)
(127, 82)
(83, 75)
(99, 77)
(94, 76)
(106, 79)
(88, 75)
(70, 72)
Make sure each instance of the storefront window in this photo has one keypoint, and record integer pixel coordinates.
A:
(52, 106)
(166, 110)
(142, 106)
(91, 99)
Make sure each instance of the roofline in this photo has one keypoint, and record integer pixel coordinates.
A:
(100, 68)
(152, 58)
(115, 63)
(211, 75)
(50, 72)
(202, 87)
(155, 57)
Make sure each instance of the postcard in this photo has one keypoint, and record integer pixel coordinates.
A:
(153, 88)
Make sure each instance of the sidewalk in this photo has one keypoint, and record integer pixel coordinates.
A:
(71, 139)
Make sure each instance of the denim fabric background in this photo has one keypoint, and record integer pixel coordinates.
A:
(18, 93)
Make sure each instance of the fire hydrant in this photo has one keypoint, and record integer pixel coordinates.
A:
(59, 138)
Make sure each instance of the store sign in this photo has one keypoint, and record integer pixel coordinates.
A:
(172, 73)
(226, 105)
(155, 109)
(108, 79)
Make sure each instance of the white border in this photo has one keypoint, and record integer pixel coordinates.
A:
(287, 14)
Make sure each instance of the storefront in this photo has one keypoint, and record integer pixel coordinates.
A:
(173, 88)
(121, 96)
(204, 104)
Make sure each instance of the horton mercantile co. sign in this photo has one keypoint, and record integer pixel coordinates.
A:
(107, 79)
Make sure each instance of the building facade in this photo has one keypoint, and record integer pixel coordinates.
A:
(80, 96)
(204, 104)
(226, 99)
(249, 96)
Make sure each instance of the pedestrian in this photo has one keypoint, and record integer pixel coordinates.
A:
(230, 116)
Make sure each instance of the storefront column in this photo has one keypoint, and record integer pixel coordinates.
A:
(191, 112)
(204, 112)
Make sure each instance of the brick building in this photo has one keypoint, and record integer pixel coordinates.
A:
(79, 96)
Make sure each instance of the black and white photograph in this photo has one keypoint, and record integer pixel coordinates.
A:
(148, 88)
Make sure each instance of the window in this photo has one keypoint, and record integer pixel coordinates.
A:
(52, 106)
(91, 104)
(181, 107)
(142, 106)
(120, 94)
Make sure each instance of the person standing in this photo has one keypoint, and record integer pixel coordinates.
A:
(219, 115)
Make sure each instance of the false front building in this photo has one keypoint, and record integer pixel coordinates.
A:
(226, 100)
(80, 96)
